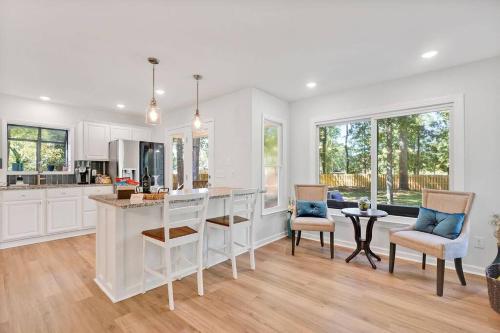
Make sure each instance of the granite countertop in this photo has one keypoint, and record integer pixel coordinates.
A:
(111, 199)
(46, 186)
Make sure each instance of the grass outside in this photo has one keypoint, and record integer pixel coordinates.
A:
(403, 198)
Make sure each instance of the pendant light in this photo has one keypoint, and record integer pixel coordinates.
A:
(153, 116)
(197, 120)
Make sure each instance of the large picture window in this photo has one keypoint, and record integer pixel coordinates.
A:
(272, 163)
(36, 148)
(412, 152)
(344, 155)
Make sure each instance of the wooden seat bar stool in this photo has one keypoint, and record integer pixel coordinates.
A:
(241, 215)
(183, 223)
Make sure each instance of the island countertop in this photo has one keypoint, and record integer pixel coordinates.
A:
(111, 199)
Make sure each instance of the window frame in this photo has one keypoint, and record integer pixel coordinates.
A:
(281, 167)
(456, 137)
(69, 145)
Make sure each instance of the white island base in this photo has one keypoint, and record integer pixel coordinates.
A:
(119, 242)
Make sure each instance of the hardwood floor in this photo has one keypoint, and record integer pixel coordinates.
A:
(49, 287)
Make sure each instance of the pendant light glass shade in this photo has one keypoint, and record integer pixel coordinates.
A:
(197, 119)
(153, 114)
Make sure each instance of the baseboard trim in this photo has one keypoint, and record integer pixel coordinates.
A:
(47, 238)
(470, 269)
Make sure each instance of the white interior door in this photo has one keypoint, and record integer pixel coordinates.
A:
(190, 157)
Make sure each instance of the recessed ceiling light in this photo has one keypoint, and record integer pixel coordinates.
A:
(311, 85)
(160, 92)
(120, 106)
(45, 98)
(429, 54)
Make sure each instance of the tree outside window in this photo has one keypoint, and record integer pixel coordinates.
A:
(35, 148)
(412, 154)
(272, 163)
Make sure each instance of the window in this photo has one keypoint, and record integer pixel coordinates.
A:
(344, 154)
(412, 154)
(411, 151)
(33, 148)
(272, 157)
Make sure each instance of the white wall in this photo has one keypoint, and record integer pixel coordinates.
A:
(480, 84)
(21, 109)
(270, 106)
(231, 114)
(237, 134)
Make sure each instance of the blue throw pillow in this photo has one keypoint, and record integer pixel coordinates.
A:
(311, 208)
(426, 220)
(439, 223)
(449, 225)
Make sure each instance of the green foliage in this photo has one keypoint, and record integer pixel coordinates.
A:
(25, 141)
(408, 145)
(271, 145)
(16, 154)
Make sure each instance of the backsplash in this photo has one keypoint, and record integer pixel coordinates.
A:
(100, 166)
(50, 179)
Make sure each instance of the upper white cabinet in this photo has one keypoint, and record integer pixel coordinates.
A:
(95, 141)
(141, 134)
(93, 138)
(120, 132)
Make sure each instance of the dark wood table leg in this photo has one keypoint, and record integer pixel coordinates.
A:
(357, 237)
(375, 255)
(369, 233)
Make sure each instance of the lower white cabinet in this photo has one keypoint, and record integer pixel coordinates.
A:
(64, 214)
(21, 219)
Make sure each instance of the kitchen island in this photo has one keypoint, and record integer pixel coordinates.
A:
(119, 240)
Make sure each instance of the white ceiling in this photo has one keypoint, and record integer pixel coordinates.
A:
(92, 53)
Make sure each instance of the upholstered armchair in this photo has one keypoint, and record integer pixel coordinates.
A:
(312, 193)
(440, 247)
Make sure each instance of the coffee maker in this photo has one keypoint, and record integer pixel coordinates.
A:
(83, 172)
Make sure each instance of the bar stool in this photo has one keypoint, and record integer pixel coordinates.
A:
(183, 223)
(241, 213)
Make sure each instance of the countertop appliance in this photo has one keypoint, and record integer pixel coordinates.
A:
(130, 158)
(84, 173)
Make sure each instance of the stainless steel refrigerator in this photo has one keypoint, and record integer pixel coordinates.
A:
(130, 159)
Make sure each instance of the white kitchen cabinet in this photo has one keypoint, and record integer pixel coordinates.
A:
(64, 214)
(21, 219)
(120, 132)
(90, 207)
(141, 134)
(95, 141)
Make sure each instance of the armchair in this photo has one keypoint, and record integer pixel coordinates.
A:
(441, 248)
(312, 193)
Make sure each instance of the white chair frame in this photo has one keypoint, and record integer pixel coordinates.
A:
(178, 212)
(241, 203)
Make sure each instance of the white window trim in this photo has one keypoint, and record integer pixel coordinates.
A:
(456, 130)
(71, 147)
(283, 175)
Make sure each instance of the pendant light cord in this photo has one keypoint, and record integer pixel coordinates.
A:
(153, 81)
(197, 94)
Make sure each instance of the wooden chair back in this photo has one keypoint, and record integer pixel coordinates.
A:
(311, 192)
(186, 210)
(242, 203)
(449, 202)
